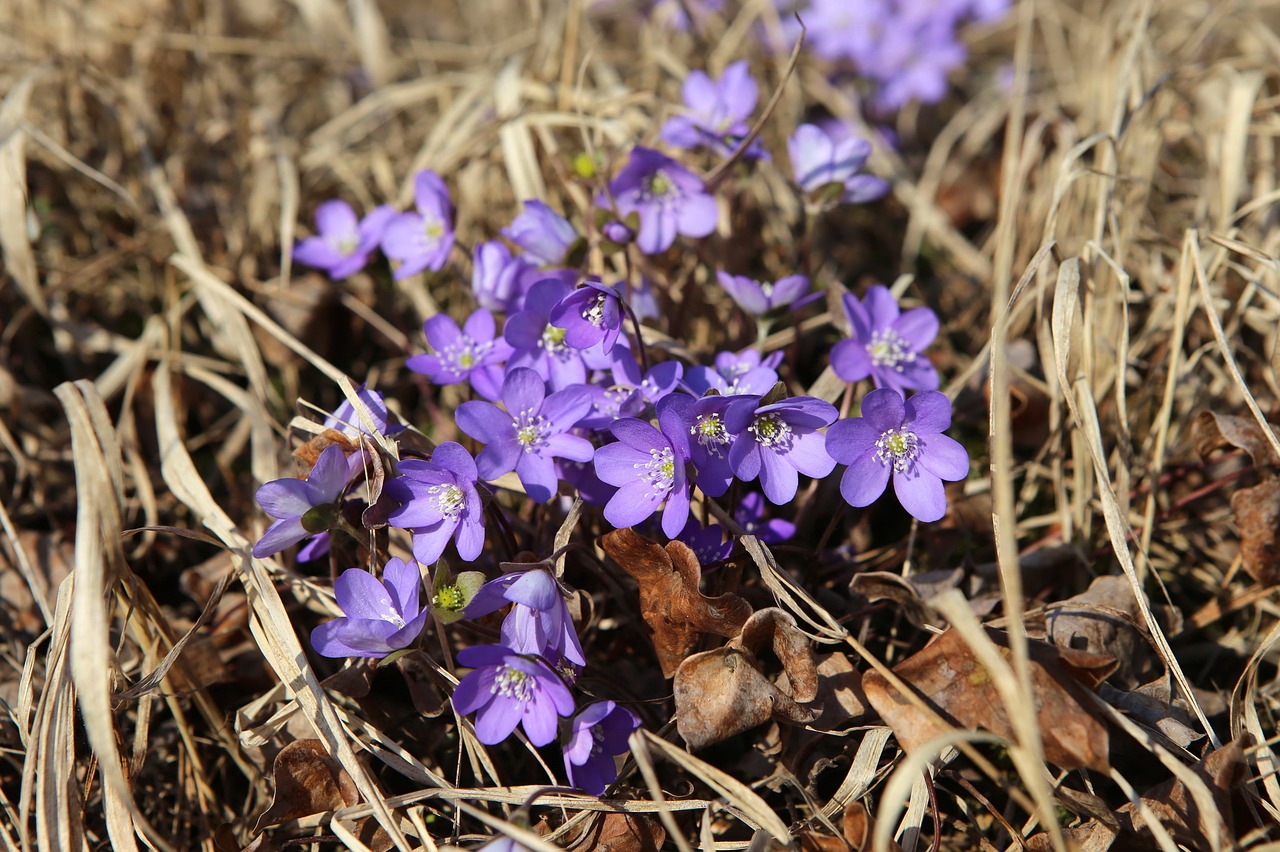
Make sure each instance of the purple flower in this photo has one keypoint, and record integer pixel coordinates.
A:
(439, 501)
(530, 433)
(707, 543)
(538, 344)
(648, 466)
(750, 516)
(544, 234)
(343, 243)
(885, 344)
(717, 112)
(590, 315)
(498, 280)
(709, 439)
(422, 240)
(303, 507)
(380, 616)
(762, 297)
(743, 372)
(778, 440)
(596, 735)
(471, 352)
(539, 622)
(506, 690)
(669, 198)
(661, 379)
(905, 437)
(820, 160)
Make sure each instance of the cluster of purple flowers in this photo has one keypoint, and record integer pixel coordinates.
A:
(905, 49)
(566, 396)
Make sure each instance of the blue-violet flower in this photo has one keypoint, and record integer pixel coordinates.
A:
(439, 501)
(886, 344)
(506, 690)
(380, 616)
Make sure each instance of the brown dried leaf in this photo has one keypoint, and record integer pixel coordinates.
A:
(307, 781)
(615, 832)
(676, 614)
(858, 827)
(1257, 512)
(912, 594)
(425, 693)
(1153, 709)
(1212, 431)
(1176, 809)
(1104, 619)
(950, 678)
(722, 692)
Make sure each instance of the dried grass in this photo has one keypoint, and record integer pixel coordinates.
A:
(156, 159)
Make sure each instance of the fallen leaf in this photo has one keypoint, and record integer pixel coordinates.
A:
(616, 832)
(1257, 512)
(307, 781)
(910, 593)
(723, 692)
(676, 614)
(1154, 711)
(1104, 619)
(840, 702)
(1212, 431)
(960, 690)
(1173, 805)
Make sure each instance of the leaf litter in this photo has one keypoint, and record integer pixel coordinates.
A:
(1097, 239)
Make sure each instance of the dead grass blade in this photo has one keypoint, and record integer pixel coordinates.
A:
(19, 259)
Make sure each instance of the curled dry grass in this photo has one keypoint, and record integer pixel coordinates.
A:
(1116, 210)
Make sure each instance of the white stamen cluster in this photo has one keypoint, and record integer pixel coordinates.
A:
(448, 500)
(432, 230)
(594, 311)
(553, 340)
(659, 186)
(531, 429)
(465, 354)
(770, 431)
(345, 244)
(659, 471)
(898, 447)
(512, 683)
(710, 433)
(766, 287)
(887, 349)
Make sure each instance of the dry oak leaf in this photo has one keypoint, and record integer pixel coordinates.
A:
(307, 781)
(617, 832)
(676, 614)
(1176, 809)
(960, 691)
(1212, 431)
(722, 692)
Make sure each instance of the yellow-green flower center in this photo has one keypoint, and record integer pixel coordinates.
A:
(448, 598)
(898, 447)
(553, 338)
(770, 430)
(889, 350)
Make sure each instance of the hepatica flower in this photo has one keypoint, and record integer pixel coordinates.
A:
(343, 242)
(702, 420)
(903, 439)
(750, 516)
(596, 736)
(669, 199)
(498, 280)
(530, 434)
(716, 112)
(763, 297)
(380, 616)
(707, 543)
(736, 373)
(472, 352)
(303, 507)
(648, 466)
(539, 622)
(544, 234)
(590, 315)
(886, 344)
(506, 690)
(820, 160)
(541, 346)
(423, 239)
(779, 440)
(439, 501)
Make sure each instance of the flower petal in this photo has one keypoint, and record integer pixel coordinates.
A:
(849, 439)
(864, 481)
(920, 493)
(523, 390)
(538, 475)
(884, 409)
(484, 421)
(918, 326)
(633, 503)
(284, 498)
(927, 412)
(361, 595)
(404, 581)
(778, 479)
(943, 457)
